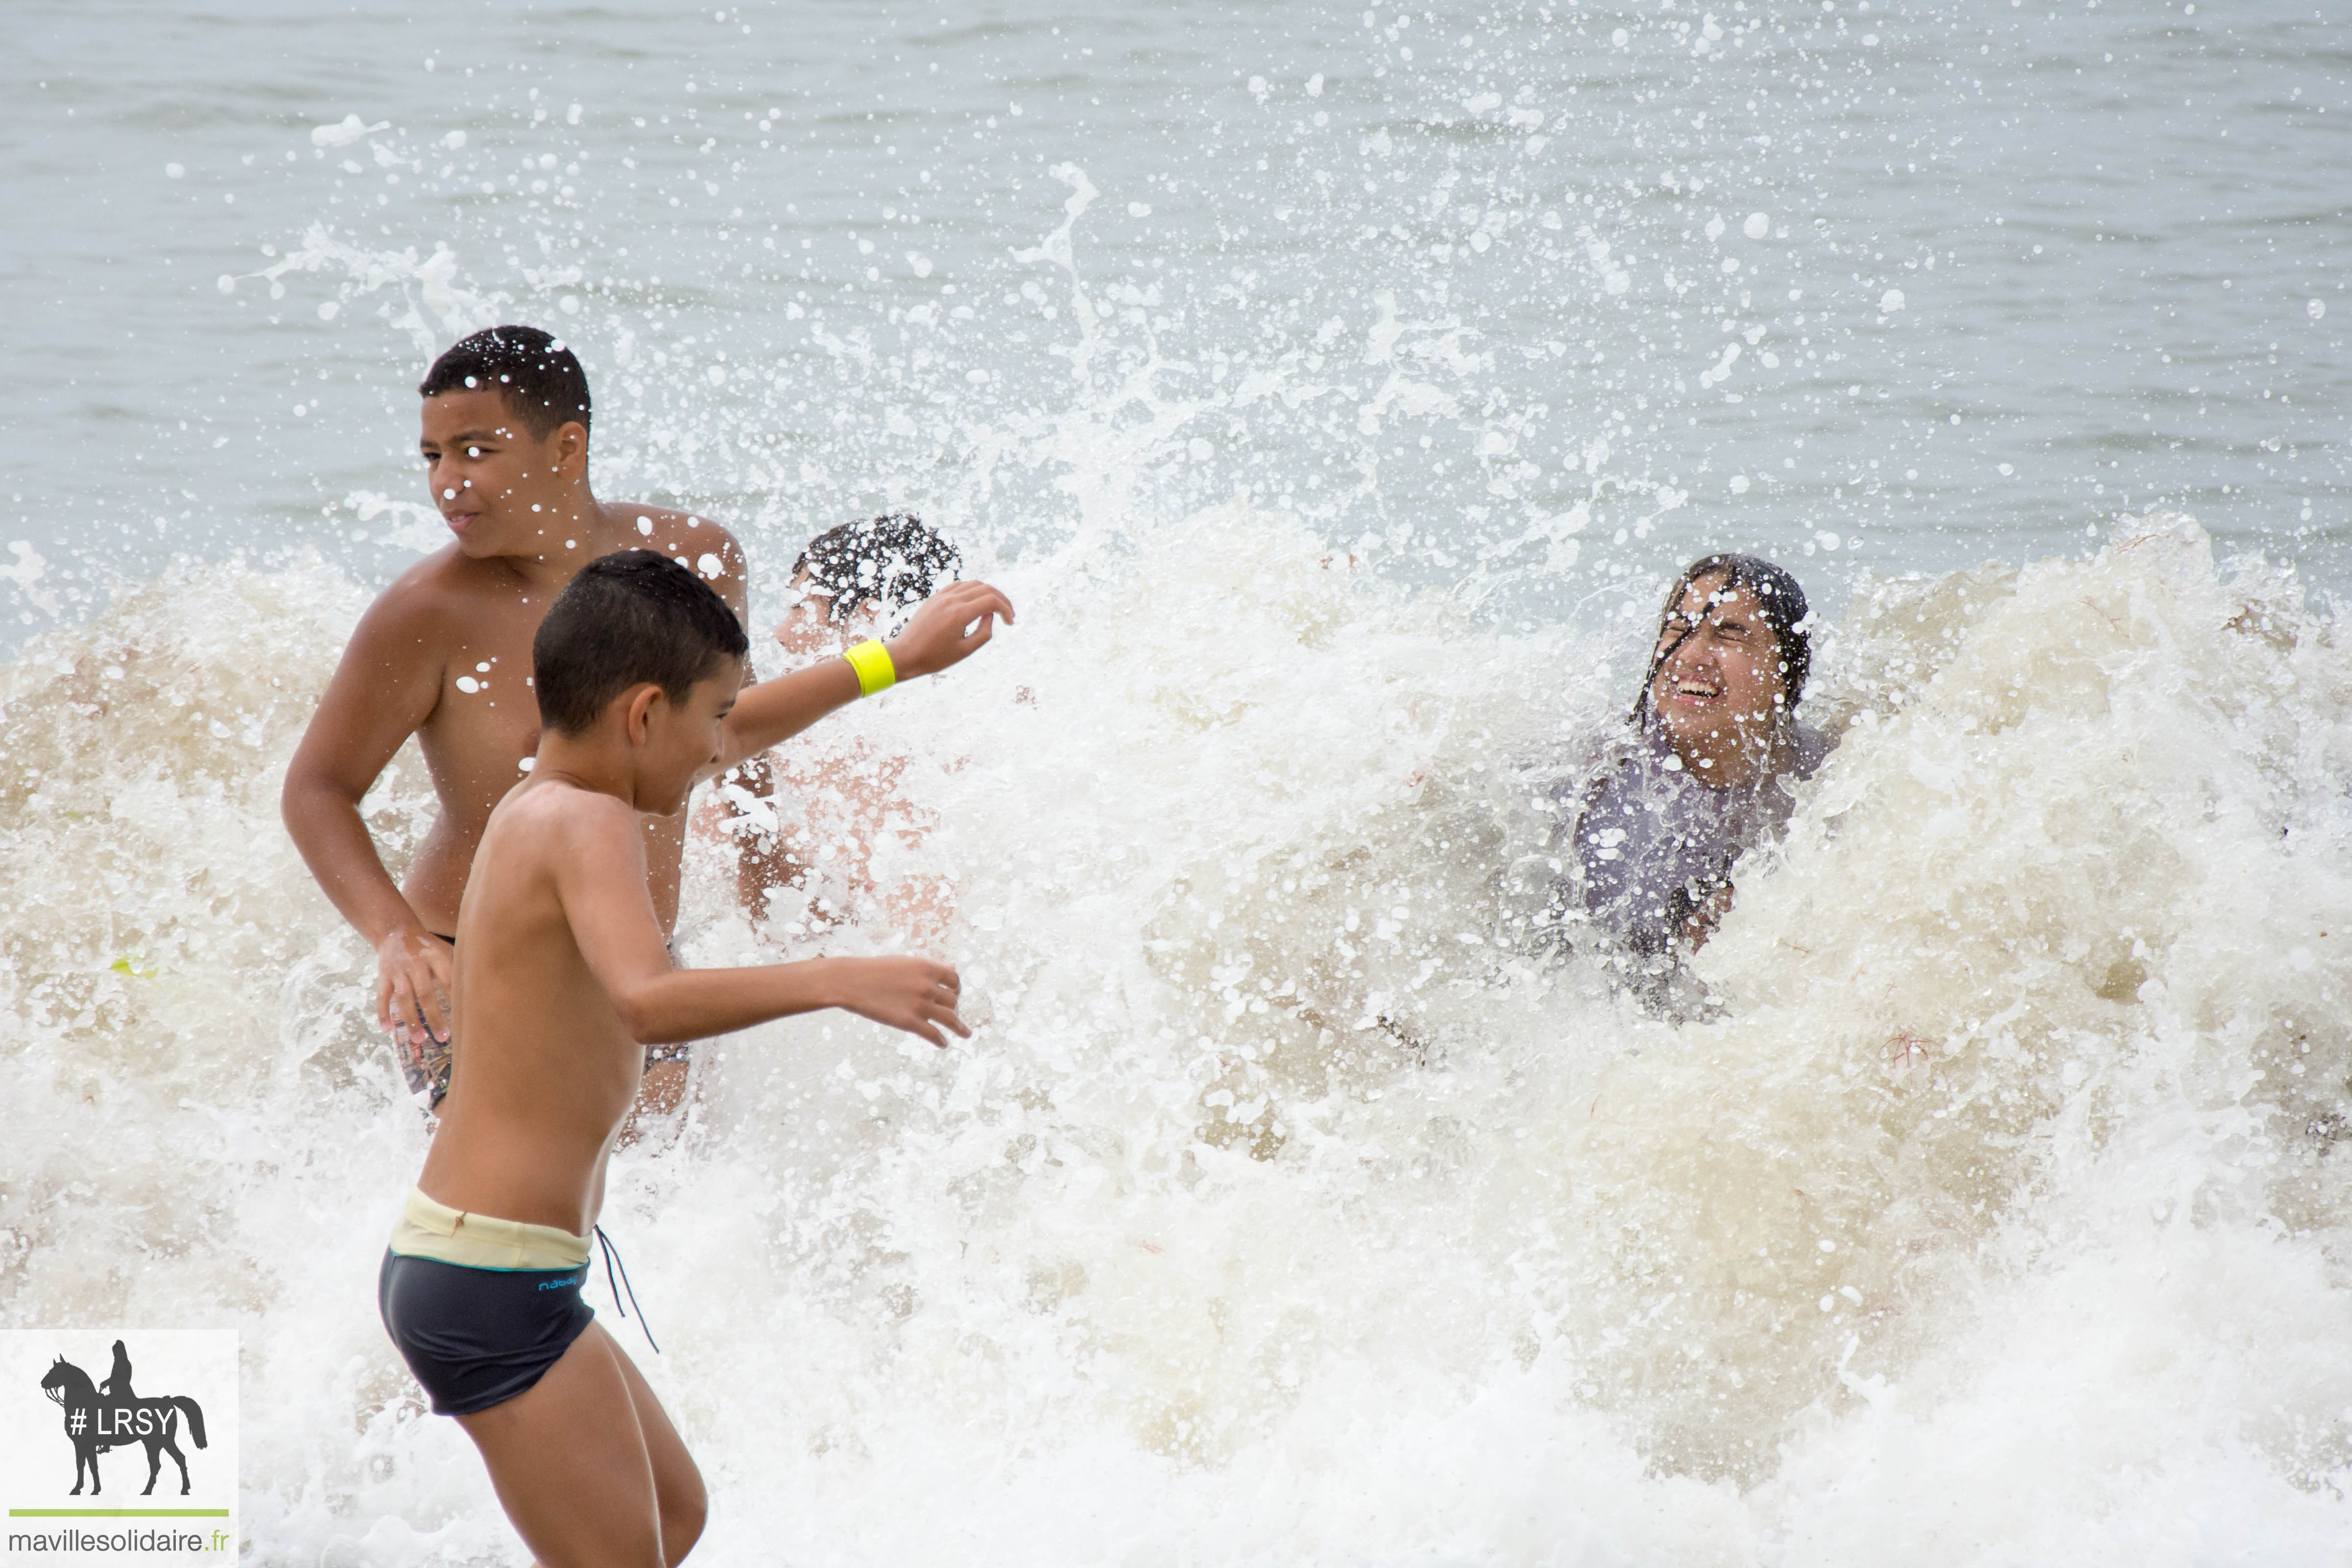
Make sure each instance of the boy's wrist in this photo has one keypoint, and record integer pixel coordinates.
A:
(876, 665)
(830, 982)
(399, 930)
(407, 929)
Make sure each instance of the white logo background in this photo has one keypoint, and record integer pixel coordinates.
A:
(36, 1457)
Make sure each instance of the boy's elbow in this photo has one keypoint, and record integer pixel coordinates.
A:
(647, 1020)
(297, 798)
(315, 794)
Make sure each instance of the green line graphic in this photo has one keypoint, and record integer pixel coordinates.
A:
(118, 1513)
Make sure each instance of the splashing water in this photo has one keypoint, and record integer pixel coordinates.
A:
(1516, 299)
(1287, 1204)
(1331, 419)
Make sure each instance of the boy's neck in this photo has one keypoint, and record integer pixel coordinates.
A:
(593, 760)
(573, 515)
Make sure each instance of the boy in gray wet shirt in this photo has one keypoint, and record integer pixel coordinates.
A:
(1715, 752)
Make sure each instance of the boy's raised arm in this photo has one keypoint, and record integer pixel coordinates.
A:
(600, 877)
(383, 688)
(953, 625)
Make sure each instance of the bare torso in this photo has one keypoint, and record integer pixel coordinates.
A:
(549, 1069)
(470, 624)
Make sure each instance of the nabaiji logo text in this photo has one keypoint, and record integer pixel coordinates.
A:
(163, 1396)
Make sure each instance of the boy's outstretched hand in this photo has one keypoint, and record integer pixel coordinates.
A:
(953, 625)
(911, 993)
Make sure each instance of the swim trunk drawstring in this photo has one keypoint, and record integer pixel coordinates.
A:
(606, 1242)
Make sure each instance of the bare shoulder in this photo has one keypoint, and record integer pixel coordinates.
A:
(709, 547)
(434, 601)
(675, 533)
(421, 615)
(570, 818)
(546, 830)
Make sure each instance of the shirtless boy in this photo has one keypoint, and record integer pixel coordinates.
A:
(562, 979)
(848, 584)
(444, 654)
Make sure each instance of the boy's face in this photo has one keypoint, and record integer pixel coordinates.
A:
(495, 484)
(682, 739)
(809, 631)
(1722, 684)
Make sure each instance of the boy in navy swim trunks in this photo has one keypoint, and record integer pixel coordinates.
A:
(562, 979)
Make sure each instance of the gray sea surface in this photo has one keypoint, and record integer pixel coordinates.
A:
(1526, 301)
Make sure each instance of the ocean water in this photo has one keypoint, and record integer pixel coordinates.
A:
(1333, 412)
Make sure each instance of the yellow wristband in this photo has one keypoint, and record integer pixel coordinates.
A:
(872, 662)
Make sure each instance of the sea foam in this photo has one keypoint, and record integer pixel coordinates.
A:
(1293, 1202)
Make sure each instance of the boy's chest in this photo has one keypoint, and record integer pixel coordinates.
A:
(488, 715)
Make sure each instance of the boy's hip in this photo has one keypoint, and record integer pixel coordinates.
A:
(476, 1336)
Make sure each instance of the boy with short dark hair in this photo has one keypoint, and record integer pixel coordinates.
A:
(563, 978)
(885, 563)
(442, 654)
(851, 581)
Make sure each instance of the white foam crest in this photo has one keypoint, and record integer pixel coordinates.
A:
(1277, 1235)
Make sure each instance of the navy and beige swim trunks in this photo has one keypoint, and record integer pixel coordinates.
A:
(480, 1307)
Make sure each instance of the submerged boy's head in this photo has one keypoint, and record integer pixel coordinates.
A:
(1762, 592)
(874, 567)
(1729, 665)
(505, 429)
(626, 620)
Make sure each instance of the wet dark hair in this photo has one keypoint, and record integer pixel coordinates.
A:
(1779, 600)
(536, 376)
(893, 560)
(628, 618)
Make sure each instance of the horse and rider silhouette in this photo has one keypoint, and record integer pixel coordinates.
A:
(115, 1417)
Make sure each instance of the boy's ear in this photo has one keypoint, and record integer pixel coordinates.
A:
(570, 440)
(636, 711)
